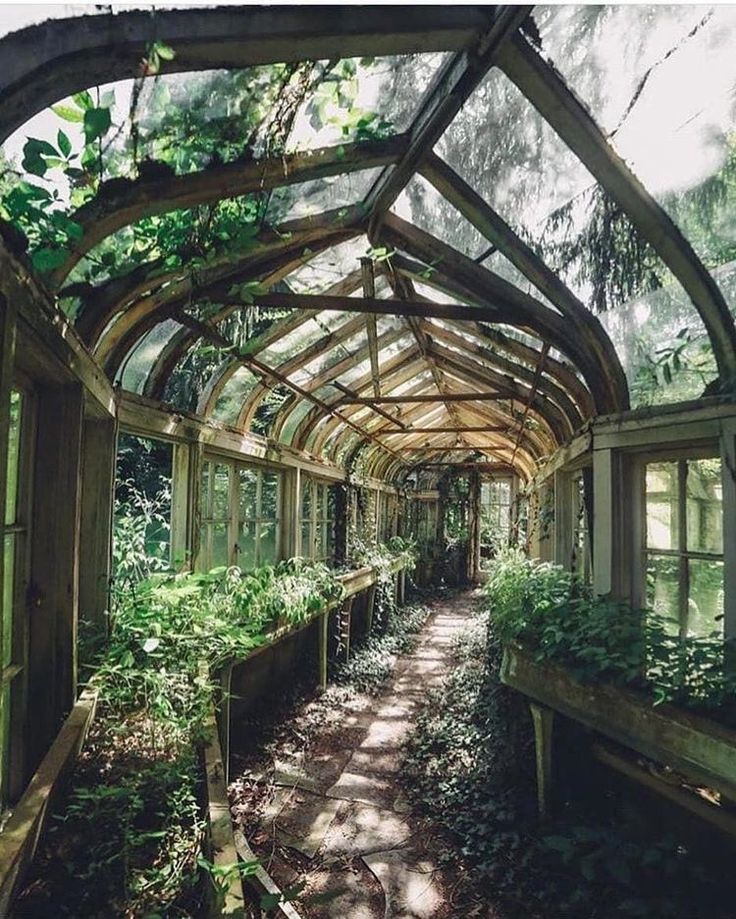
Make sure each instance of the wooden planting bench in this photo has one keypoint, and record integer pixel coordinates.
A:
(700, 749)
(21, 834)
(223, 844)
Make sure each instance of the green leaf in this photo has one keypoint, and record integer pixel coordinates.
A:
(164, 51)
(67, 113)
(97, 122)
(83, 100)
(46, 259)
(65, 145)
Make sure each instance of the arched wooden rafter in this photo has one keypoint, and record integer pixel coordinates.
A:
(458, 352)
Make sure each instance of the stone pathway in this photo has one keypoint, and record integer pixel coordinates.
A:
(346, 809)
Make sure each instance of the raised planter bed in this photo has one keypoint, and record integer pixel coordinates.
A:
(21, 834)
(699, 748)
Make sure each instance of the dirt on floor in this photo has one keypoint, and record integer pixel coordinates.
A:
(319, 797)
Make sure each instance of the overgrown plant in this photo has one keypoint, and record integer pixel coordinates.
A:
(558, 619)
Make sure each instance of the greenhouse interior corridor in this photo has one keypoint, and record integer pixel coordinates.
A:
(368, 457)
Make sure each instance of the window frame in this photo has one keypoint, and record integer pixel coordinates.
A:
(233, 520)
(642, 553)
(14, 675)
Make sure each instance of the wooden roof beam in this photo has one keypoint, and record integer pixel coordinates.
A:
(106, 212)
(45, 63)
(479, 213)
(543, 86)
(444, 99)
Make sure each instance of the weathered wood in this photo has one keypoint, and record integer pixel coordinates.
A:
(699, 748)
(24, 828)
(99, 445)
(45, 63)
(548, 93)
(447, 95)
(54, 588)
(220, 841)
(384, 306)
(428, 397)
(460, 276)
(493, 227)
(543, 719)
(369, 292)
(106, 213)
(717, 816)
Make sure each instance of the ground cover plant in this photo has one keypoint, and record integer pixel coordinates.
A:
(546, 610)
(469, 769)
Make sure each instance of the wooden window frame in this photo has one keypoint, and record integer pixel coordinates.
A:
(14, 676)
(234, 519)
(681, 456)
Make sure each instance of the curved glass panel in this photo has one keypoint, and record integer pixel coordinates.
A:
(421, 204)
(310, 198)
(233, 395)
(134, 371)
(661, 81)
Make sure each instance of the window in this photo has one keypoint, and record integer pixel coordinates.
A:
(580, 557)
(683, 547)
(239, 515)
(318, 519)
(495, 502)
(15, 541)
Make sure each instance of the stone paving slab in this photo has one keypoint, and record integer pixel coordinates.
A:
(360, 829)
(410, 889)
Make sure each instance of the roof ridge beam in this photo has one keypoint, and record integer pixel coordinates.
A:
(446, 96)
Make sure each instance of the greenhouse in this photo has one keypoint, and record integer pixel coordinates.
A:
(368, 456)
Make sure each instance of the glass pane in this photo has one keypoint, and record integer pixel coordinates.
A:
(247, 493)
(267, 545)
(221, 496)
(318, 536)
(663, 590)
(662, 513)
(8, 599)
(270, 495)
(307, 540)
(704, 506)
(307, 498)
(204, 496)
(331, 499)
(220, 545)
(705, 603)
(247, 545)
(11, 497)
(205, 549)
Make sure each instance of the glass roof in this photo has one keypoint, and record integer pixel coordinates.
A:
(661, 81)
(329, 267)
(421, 204)
(310, 198)
(233, 395)
(134, 371)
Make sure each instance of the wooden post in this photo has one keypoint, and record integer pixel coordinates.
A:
(728, 474)
(473, 560)
(543, 719)
(370, 608)
(346, 619)
(99, 442)
(324, 623)
(225, 679)
(54, 588)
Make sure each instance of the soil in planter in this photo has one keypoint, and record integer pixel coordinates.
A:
(124, 841)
